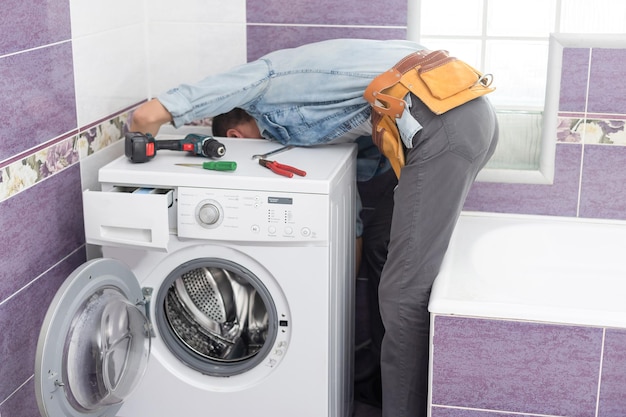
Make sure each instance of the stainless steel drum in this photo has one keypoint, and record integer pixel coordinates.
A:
(217, 314)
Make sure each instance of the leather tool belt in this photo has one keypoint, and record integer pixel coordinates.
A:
(440, 81)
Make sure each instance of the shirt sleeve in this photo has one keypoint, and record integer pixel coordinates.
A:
(216, 94)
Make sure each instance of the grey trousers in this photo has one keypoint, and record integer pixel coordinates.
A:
(440, 169)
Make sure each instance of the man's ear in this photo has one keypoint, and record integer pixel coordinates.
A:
(234, 133)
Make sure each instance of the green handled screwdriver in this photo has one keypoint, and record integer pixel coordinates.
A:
(214, 165)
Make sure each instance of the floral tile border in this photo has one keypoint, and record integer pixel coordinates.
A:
(100, 136)
(591, 130)
(61, 154)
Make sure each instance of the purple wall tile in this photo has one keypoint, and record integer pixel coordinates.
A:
(574, 76)
(455, 412)
(38, 101)
(20, 320)
(516, 366)
(328, 12)
(265, 39)
(607, 89)
(613, 384)
(40, 226)
(22, 403)
(557, 199)
(28, 24)
(603, 188)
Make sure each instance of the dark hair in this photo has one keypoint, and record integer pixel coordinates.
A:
(225, 121)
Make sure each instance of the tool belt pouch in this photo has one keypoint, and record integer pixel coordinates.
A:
(386, 137)
(440, 81)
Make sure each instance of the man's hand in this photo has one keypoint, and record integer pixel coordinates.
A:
(149, 117)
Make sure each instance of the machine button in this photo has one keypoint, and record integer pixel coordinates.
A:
(288, 230)
(255, 228)
(208, 214)
(306, 232)
(271, 230)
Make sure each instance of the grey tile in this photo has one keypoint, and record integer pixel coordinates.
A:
(602, 190)
(328, 12)
(20, 320)
(265, 39)
(515, 366)
(28, 24)
(612, 398)
(607, 90)
(557, 199)
(38, 101)
(574, 76)
(455, 412)
(22, 403)
(40, 226)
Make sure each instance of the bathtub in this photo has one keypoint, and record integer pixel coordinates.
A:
(537, 268)
(528, 317)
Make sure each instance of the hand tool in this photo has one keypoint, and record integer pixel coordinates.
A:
(214, 165)
(141, 147)
(281, 169)
(275, 151)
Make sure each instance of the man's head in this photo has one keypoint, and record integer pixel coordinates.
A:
(236, 124)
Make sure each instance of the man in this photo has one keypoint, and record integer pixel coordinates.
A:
(314, 95)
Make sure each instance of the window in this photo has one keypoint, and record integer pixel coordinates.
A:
(511, 40)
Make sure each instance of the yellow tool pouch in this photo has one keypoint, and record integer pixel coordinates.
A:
(440, 81)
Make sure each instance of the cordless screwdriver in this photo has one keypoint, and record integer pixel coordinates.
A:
(141, 147)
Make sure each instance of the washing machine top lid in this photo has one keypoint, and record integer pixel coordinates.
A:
(323, 164)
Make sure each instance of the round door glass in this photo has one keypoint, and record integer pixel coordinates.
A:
(106, 353)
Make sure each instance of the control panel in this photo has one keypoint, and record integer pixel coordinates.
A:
(207, 213)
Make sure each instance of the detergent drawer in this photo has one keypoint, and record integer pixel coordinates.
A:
(129, 217)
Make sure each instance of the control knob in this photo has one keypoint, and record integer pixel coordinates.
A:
(208, 214)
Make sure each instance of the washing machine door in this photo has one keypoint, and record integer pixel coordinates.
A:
(94, 343)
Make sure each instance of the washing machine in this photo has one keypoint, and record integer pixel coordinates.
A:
(218, 293)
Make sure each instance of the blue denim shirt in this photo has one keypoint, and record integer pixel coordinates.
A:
(303, 96)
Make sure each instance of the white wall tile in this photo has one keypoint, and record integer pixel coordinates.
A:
(188, 52)
(96, 16)
(109, 72)
(604, 16)
(467, 18)
(527, 18)
(199, 11)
